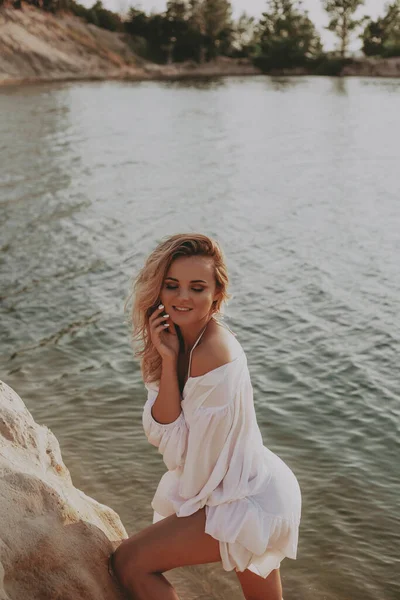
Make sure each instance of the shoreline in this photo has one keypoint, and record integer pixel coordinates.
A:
(135, 76)
(182, 76)
(38, 47)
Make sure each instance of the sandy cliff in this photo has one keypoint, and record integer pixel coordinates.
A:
(35, 45)
(39, 46)
(54, 540)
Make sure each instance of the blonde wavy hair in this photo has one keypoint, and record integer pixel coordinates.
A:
(146, 290)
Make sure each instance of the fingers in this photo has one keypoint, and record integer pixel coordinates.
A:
(160, 326)
(158, 323)
(156, 313)
(166, 344)
(158, 317)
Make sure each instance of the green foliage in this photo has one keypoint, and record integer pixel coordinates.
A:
(137, 22)
(287, 37)
(212, 20)
(244, 36)
(55, 5)
(80, 11)
(331, 66)
(47, 5)
(212, 16)
(184, 37)
(97, 15)
(178, 10)
(342, 21)
(105, 18)
(382, 37)
(157, 29)
(188, 30)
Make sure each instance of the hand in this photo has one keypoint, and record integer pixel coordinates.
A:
(163, 334)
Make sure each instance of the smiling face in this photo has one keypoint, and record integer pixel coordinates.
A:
(189, 283)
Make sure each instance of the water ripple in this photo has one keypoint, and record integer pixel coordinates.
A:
(282, 171)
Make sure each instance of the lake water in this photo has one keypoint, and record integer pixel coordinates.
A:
(299, 180)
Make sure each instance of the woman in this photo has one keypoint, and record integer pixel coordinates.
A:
(225, 497)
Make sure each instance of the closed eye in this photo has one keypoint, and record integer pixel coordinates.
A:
(175, 287)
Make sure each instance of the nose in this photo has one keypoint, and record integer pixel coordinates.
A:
(183, 294)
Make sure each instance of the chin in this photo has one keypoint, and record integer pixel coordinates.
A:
(182, 318)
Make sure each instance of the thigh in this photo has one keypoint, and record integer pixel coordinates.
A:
(255, 586)
(170, 543)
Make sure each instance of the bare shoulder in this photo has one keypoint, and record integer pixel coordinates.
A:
(218, 348)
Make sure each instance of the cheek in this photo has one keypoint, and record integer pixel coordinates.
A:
(168, 296)
(165, 295)
(205, 300)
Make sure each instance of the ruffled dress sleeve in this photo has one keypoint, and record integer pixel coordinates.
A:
(169, 438)
(224, 446)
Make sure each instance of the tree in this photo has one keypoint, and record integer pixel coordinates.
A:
(105, 18)
(177, 16)
(212, 18)
(137, 22)
(188, 29)
(382, 37)
(342, 21)
(178, 10)
(244, 35)
(185, 38)
(51, 5)
(288, 38)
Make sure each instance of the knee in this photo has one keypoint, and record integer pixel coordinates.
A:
(125, 563)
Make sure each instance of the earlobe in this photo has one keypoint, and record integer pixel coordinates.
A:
(214, 307)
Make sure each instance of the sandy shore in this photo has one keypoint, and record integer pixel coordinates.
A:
(39, 47)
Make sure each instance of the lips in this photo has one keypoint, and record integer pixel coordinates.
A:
(182, 308)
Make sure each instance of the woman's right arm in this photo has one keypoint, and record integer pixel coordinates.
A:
(167, 407)
(170, 438)
(163, 420)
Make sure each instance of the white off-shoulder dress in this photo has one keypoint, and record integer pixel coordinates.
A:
(216, 459)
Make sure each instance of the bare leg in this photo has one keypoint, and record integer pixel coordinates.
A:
(257, 588)
(153, 586)
(155, 582)
(139, 561)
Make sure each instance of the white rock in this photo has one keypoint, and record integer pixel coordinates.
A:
(54, 540)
